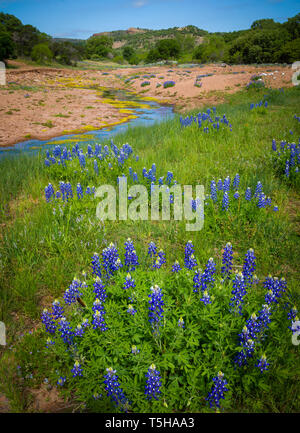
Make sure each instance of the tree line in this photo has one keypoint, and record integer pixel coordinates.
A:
(266, 41)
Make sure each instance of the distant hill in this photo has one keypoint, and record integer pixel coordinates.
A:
(145, 39)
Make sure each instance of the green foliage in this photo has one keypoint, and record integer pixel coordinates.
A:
(7, 46)
(66, 52)
(41, 53)
(99, 45)
(211, 50)
(128, 52)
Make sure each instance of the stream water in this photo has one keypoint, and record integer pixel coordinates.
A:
(145, 116)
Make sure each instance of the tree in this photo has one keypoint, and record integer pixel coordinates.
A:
(7, 46)
(290, 52)
(264, 24)
(100, 45)
(41, 53)
(128, 52)
(168, 48)
(293, 26)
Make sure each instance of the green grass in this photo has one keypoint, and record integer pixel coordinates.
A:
(40, 252)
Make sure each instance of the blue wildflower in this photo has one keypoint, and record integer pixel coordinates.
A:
(156, 304)
(48, 321)
(262, 363)
(76, 370)
(217, 391)
(227, 261)
(66, 330)
(113, 388)
(153, 383)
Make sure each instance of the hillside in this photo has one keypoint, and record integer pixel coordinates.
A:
(145, 39)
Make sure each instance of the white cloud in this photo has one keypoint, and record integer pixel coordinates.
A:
(139, 3)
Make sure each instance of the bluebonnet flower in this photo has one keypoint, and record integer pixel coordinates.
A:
(262, 201)
(258, 189)
(79, 191)
(236, 181)
(225, 201)
(96, 168)
(217, 391)
(249, 267)
(76, 370)
(220, 185)
(189, 258)
(153, 383)
(239, 292)
(48, 321)
(97, 305)
(253, 326)
(169, 178)
(207, 278)
(274, 147)
(68, 191)
(236, 195)
(264, 317)
(262, 363)
(196, 280)
(181, 323)
(275, 288)
(113, 388)
(248, 194)
(49, 192)
(213, 191)
(57, 309)
(156, 304)
(275, 209)
(135, 350)
(98, 319)
(129, 282)
(73, 292)
(111, 261)
(49, 343)
(270, 297)
(176, 267)
(227, 261)
(85, 323)
(292, 313)
(191, 262)
(131, 258)
(205, 298)
(131, 310)
(99, 289)
(96, 266)
(79, 331)
(162, 256)
(66, 330)
(226, 184)
(61, 381)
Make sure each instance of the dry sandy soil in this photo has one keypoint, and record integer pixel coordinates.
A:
(60, 100)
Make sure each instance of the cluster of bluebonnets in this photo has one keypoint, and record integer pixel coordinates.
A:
(259, 104)
(225, 193)
(169, 83)
(206, 119)
(287, 158)
(61, 156)
(65, 192)
(256, 82)
(145, 83)
(107, 264)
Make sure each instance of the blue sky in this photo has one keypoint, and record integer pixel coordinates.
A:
(80, 19)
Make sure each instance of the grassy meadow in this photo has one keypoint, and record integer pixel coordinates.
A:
(44, 245)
